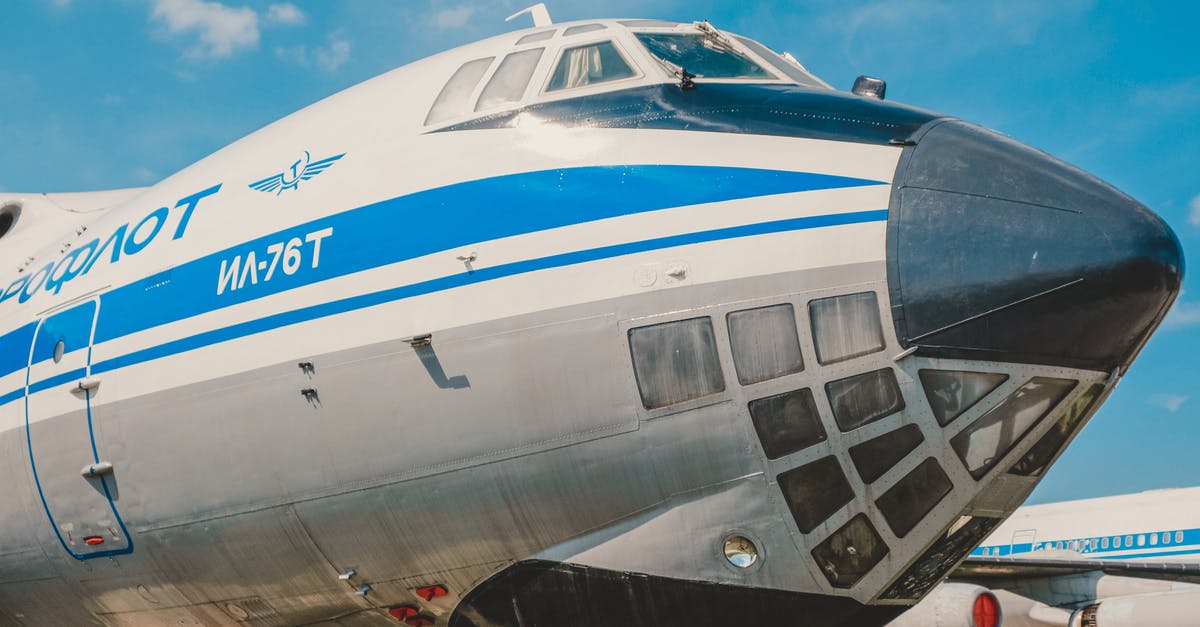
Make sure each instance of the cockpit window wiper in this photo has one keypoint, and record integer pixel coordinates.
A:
(716, 38)
(685, 77)
(704, 53)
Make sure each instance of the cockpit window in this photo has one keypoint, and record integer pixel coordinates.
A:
(583, 28)
(538, 36)
(587, 65)
(452, 101)
(510, 80)
(791, 70)
(702, 55)
(648, 24)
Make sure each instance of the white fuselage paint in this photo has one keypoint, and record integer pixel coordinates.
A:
(1159, 525)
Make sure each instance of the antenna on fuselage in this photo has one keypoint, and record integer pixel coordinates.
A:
(541, 17)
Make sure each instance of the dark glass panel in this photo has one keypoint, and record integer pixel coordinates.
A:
(850, 553)
(875, 456)
(1038, 458)
(765, 343)
(952, 392)
(676, 362)
(995, 433)
(787, 422)
(845, 327)
(864, 398)
(815, 491)
(907, 502)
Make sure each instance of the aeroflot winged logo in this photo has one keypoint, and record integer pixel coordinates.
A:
(302, 170)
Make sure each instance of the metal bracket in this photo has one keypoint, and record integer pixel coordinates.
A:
(419, 341)
(86, 385)
(97, 469)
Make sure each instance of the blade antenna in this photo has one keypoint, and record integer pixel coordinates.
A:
(541, 17)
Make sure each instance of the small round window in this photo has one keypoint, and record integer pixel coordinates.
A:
(59, 349)
(740, 551)
(8, 218)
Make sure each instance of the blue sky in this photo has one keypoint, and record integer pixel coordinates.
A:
(113, 93)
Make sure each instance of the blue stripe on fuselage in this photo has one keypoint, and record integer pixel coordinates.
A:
(444, 218)
(1175, 538)
(435, 220)
(458, 280)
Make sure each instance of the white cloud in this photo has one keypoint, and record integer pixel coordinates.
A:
(1169, 402)
(222, 30)
(1194, 214)
(333, 56)
(285, 13)
(60, 5)
(1182, 315)
(143, 174)
(452, 18)
(329, 57)
(112, 100)
(944, 29)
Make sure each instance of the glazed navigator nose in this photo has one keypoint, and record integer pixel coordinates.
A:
(1000, 252)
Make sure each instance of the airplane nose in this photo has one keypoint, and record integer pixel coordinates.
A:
(1000, 252)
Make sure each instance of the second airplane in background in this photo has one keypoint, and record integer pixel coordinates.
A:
(1118, 561)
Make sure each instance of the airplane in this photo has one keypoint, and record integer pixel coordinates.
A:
(620, 321)
(1116, 561)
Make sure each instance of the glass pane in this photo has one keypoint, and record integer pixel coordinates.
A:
(845, 327)
(588, 65)
(952, 392)
(815, 491)
(914, 496)
(1034, 463)
(788, 68)
(993, 434)
(538, 36)
(452, 101)
(850, 553)
(787, 422)
(509, 82)
(765, 343)
(864, 398)
(876, 456)
(676, 362)
(584, 28)
(702, 55)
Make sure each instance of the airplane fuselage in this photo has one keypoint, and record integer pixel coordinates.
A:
(553, 359)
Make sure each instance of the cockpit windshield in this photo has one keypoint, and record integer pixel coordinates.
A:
(702, 54)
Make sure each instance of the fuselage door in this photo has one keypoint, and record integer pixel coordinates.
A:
(1022, 541)
(76, 484)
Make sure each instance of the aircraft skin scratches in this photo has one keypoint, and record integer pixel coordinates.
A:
(575, 347)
